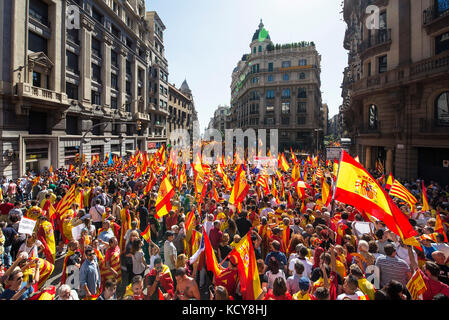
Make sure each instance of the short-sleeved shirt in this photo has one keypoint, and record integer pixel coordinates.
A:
(8, 293)
(169, 251)
(392, 268)
(9, 232)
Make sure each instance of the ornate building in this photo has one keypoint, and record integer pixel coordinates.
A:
(221, 120)
(278, 87)
(396, 86)
(59, 82)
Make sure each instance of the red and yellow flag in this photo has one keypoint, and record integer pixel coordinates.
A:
(247, 268)
(163, 204)
(282, 162)
(356, 187)
(225, 178)
(401, 192)
(240, 189)
(439, 227)
(211, 259)
(147, 234)
(425, 202)
(150, 184)
(416, 285)
(390, 181)
(326, 194)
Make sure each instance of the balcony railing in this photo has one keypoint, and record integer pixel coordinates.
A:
(26, 90)
(435, 12)
(381, 36)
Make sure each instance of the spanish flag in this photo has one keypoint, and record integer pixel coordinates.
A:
(247, 268)
(147, 234)
(390, 181)
(356, 187)
(326, 195)
(425, 202)
(150, 184)
(439, 227)
(225, 178)
(282, 162)
(211, 259)
(47, 294)
(166, 192)
(240, 189)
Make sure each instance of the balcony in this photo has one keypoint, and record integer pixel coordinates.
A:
(365, 129)
(434, 66)
(26, 90)
(141, 116)
(379, 42)
(436, 17)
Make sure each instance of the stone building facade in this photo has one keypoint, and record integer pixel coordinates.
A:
(396, 86)
(278, 87)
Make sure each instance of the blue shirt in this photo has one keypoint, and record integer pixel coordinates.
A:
(8, 293)
(106, 235)
(90, 275)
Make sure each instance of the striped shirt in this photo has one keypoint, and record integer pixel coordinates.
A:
(392, 268)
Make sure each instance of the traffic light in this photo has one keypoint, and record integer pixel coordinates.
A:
(139, 125)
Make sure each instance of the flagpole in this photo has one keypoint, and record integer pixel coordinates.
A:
(335, 186)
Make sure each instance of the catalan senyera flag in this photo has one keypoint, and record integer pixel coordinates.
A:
(425, 202)
(401, 192)
(147, 234)
(45, 270)
(263, 182)
(65, 203)
(166, 192)
(240, 189)
(356, 187)
(247, 268)
(416, 285)
(211, 259)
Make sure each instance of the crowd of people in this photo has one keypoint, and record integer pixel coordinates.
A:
(304, 249)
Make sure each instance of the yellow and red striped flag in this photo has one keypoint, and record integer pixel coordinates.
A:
(263, 182)
(65, 203)
(211, 259)
(150, 184)
(225, 178)
(425, 202)
(389, 182)
(439, 227)
(240, 189)
(282, 162)
(401, 192)
(163, 204)
(416, 285)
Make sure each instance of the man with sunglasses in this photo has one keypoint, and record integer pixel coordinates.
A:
(17, 289)
(90, 280)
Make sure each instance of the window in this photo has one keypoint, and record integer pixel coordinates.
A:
(128, 68)
(302, 107)
(73, 35)
(442, 43)
(260, 48)
(96, 97)
(96, 47)
(382, 64)
(270, 67)
(71, 125)
(285, 93)
(270, 94)
(270, 78)
(114, 58)
(255, 80)
(255, 68)
(71, 90)
(284, 134)
(115, 31)
(254, 95)
(442, 109)
(72, 62)
(37, 43)
(301, 120)
(254, 109)
(114, 81)
(39, 11)
(302, 93)
(129, 43)
(285, 107)
(286, 77)
(128, 87)
(97, 15)
(96, 73)
(372, 117)
(269, 121)
(302, 62)
(269, 109)
(369, 69)
(302, 76)
(36, 79)
(114, 104)
(286, 64)
(383, 20)
(254, 50)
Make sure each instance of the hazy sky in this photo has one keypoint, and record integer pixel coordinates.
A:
(205, 39)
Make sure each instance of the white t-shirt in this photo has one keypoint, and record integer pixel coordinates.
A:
(271, 277)
(138, 265)
(354, 296)
(308, 266)
(169, 251)
(208, 226)
(152, 258)
(96, 213)
(32, 251)
(402, 253)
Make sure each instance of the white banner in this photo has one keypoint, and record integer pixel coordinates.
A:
(26, 226)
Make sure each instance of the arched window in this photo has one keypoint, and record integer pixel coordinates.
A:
(442, 109)
(372, 117)
(260, 48)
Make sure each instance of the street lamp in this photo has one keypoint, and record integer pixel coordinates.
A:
(317, 130)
